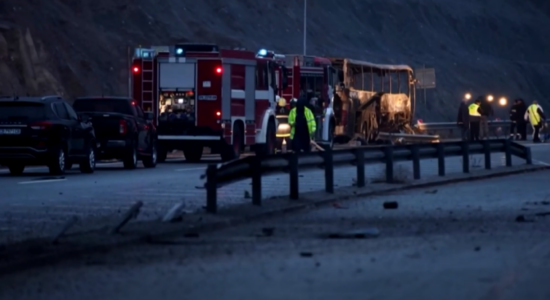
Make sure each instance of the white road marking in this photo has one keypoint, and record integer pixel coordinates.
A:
(44, 168)
(151, 194)
(541, 163)
(190, 169)
(42, 181)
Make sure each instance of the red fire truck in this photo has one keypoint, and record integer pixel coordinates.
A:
(204, 96)
(308, 77)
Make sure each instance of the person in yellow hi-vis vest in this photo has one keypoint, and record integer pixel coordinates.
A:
(302, 126)
(475, 119)
(536, 117)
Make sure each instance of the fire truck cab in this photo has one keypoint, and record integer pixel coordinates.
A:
(310, 78)
(204, 96)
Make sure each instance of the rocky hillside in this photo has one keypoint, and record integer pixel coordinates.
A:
(79, 47)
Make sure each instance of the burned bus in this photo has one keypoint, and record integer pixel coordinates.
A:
(372, 98)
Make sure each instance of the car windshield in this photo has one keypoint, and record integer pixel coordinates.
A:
(103, 105)
(13, 111)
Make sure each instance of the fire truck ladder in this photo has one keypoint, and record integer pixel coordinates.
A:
(147, 93)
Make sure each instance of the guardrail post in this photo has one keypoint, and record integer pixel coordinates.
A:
(388, 151)
(360, 157)
(465, 156)
(415, 153)
(528, 157)
(256, 167)
(211, 189)
(329, 170)
(487, 154)
(508, 152)
(440, 159)
(293, 170)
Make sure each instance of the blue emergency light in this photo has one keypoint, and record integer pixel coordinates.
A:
(262, 52)
(179, 51)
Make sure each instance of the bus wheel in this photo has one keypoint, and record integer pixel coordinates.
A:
(331, 129)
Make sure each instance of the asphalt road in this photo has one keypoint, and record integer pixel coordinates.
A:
(457, 242)
(36, 205)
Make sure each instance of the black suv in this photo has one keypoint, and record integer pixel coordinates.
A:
(44, 131)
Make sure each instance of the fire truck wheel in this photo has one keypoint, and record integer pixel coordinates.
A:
(270, 141)
(231, 152)
(193, 153)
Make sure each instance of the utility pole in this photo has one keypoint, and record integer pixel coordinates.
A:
(305, 25)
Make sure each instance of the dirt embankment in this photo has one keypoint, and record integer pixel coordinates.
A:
(81, 47)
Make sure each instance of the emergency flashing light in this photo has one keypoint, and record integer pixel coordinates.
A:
(218, 113)
(136, 70)
(179, 51)
(219, 70)
(262, 52)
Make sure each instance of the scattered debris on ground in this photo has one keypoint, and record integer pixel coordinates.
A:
(523, 219)
(391, 205)
(363, 233)
(339, 205)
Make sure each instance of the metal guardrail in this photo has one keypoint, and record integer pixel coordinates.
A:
(453, 125)
(255, 167)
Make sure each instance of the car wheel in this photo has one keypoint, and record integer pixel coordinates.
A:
(88, 165)
(57, 162)
(151, 160)
(16, 169)
(131, 160)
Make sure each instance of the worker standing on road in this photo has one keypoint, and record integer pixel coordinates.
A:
(463, 119)
(518, 127)
(536, 117)
(486, 111)
(475, 118)
(302, 127)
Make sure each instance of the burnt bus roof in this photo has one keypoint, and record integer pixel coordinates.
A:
(355, 62)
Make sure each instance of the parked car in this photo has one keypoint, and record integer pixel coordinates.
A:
(44, 131)
(122, 130)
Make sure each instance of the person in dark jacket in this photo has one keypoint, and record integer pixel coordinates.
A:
(486, 111)
(518, 127)
(301, 140)
(463, 120)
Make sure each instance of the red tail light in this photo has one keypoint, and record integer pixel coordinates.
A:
(218, 114)
(40, 125)
(123, 127)
(219, 70)
(135, 70)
